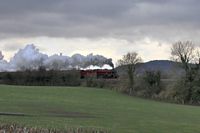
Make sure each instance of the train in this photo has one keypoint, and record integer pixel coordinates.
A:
(99, 73)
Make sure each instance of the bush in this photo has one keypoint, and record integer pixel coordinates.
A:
(148, 85)
(90, 82)
(195, 98)
(179, 92)
(182, 92)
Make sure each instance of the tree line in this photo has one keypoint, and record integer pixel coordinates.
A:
(41, 77)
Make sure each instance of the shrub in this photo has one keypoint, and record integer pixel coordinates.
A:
(195, 98)
(148, 85)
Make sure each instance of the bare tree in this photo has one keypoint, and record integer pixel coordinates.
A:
(130, 60)
(183, 52)
(186, 53)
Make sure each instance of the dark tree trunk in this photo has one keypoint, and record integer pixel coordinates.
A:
(131, 70)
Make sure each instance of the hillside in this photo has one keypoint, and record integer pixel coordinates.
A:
(166, 67)
(61, 107)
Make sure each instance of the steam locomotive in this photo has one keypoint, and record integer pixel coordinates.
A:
(99, 73)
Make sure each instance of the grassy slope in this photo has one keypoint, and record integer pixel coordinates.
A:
(113, 111)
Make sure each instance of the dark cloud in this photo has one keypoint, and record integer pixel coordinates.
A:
(161, 19)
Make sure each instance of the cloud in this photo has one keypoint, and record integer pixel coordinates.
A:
(127, 19)
(111, 28)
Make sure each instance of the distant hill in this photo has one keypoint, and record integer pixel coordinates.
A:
(166, 67)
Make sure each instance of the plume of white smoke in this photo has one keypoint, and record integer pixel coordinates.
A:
(57, 62)
(1, 56)
(96, 60)
(91, 67)
(30, 58)
(78, 61)
(4, 66)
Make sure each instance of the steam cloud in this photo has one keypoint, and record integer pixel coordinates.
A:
(30, 58)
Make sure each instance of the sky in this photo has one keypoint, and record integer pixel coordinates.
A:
(106, 27)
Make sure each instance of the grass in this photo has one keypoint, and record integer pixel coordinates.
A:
(64, 107)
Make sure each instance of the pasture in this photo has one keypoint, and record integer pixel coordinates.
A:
(64, 107)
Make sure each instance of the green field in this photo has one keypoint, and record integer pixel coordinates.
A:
(62, 107)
